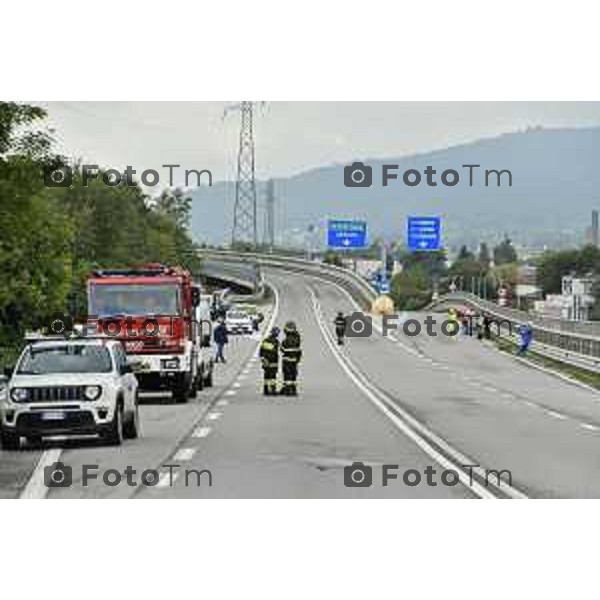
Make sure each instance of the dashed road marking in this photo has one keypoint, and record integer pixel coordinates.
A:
(589, 426)
(184, 454)
(556, 415)
(230, 393)
(36, 487)
(213, 416)
(166, 480)
(222, 403)
(201, 432)
(237, 384)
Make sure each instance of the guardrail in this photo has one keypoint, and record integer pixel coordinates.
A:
(552, 338)
(358, 288)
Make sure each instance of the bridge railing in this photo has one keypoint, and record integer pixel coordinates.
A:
(356, 286)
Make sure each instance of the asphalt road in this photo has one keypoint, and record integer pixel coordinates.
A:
(422, 405)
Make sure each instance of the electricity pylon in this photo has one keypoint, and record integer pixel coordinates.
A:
(244, 212)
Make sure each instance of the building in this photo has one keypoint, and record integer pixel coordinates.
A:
(592, 232)
(573, 304)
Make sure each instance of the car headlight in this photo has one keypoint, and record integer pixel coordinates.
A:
(19, 394)
(92, 392)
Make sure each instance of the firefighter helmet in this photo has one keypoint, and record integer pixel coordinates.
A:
(290, 326)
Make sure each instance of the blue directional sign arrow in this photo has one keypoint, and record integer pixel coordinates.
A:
(346, 234)
(424, 233)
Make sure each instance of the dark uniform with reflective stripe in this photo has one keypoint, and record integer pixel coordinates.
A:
(291, 355)
(340, 327)
(269, 355)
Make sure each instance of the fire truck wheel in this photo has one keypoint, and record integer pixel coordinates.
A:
(199, 382)
(181, 389)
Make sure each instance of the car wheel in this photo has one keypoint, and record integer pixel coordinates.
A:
(10, 440)
(114, 436)
(131, 425)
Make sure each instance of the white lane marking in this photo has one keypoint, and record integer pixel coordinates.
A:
(237, 384)
(555, 415)
(35, 488)
(475, 487)
(530, 404)
(230, 393)
(213, 416)
(589, 426)
(222, 403)
(201, 432)
(184, 454)
(166, 480)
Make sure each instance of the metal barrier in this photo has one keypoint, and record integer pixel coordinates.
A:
(553, 338)
(358, 288)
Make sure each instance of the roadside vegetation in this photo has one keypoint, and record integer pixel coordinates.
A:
(52, 237)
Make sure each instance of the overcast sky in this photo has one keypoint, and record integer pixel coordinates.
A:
(290, 136)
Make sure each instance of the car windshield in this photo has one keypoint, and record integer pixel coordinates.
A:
(133, 299)
(237, 315)
(71, 358)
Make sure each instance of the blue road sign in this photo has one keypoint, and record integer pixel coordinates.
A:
(384, 286)
(424, 233)
(346, 234)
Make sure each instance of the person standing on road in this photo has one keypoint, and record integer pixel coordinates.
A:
(340, 327)
(487, 326)
(221, 338)
(269, 356)
(291, 354)
(453, 318)
(525, 338)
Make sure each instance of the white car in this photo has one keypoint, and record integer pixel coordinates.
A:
(76, 386)
(238, 321)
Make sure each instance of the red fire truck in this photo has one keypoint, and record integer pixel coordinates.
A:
(153, 309)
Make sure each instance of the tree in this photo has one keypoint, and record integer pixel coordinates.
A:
(484, 255)
(411, 288)
(465, 254)
(505, 252)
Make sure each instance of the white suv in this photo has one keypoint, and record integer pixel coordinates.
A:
(238, 321)
(76, 386)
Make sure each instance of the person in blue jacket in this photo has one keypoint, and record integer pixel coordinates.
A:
(525, 338)
(220, 337)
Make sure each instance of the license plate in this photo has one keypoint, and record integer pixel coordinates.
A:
(53, 416)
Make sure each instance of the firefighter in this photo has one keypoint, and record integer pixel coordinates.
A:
(340, 327)
(269, 356)
(291, 354)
